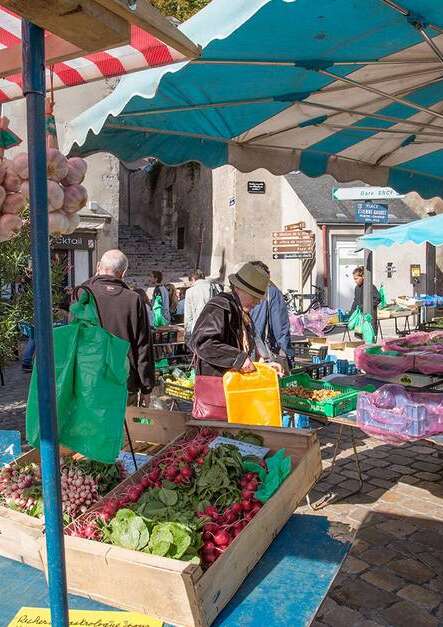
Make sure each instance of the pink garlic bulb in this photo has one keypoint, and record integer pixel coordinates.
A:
(2, 170)
(58, 222)
(55, 195)
(74, 222)
(10, 225)
(12, 181)
(20, 162)
(2, 196)
(76, 171)
(57, 165)
(14, 203)
(76, 197)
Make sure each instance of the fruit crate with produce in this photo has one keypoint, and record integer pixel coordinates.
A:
(302, 393)
(84, 482)
(177, 539)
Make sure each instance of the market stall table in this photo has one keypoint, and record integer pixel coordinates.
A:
(349, 420)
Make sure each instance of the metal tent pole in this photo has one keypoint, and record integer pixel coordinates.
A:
(34, 91)
(367, 285)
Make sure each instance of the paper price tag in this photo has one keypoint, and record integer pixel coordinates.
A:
(84, 618)
(245, 448)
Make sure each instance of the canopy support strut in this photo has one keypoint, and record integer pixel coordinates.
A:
(34, 91)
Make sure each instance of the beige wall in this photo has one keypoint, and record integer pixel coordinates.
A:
(102, 176)
(242, 232)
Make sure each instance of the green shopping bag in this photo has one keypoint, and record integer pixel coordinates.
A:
(383, 299)
(91, 370)
(367, 329)
(355, 321)
(157, 313)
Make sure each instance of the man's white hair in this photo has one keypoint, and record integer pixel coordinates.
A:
(114, 262)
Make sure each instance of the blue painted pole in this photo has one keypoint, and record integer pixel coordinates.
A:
(34, 89)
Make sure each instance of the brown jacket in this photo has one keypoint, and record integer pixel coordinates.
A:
(217, 337)
(123, 314)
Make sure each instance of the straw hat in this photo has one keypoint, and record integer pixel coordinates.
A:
(251, 279)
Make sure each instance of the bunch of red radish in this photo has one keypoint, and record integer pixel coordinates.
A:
(224, 527)
(176, 465)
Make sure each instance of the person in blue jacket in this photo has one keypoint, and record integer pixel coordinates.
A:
(271, 321)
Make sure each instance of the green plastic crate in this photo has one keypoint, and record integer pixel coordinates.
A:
(347, 401)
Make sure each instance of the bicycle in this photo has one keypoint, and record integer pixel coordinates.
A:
(295, 303)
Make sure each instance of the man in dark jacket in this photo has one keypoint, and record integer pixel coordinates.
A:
(271, 320)
(359, 278)
(123, 314)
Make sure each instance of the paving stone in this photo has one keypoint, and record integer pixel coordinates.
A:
(411, 569)
(420, 596)
(373, 535)
(383, 578)
(342, 616)
(435, 563)
(379, 555)
(380, 483)
(376, 493)
(410, 479)
(359, 546)
(403, 613)
(430, 539)
(354, 566)
(360, 595)
(382, 473)
(401, 527)
(404, 470)
(401, 460)
(426, 449)
(429, 476)
(366, 623)
(428, 467)
(349, 485)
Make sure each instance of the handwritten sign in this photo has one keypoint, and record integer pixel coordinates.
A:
(10, 446)
(85, 618)
(245, 448)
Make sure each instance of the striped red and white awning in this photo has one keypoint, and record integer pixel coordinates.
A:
(143, 51)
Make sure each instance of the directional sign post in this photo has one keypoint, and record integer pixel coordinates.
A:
(365, 193)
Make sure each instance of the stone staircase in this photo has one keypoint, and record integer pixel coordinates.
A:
(146, 254)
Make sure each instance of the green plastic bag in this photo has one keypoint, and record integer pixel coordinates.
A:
(355, 321)
(367, 329)
(91, 369)
(158, 319)
(279, 468)
(383, 300)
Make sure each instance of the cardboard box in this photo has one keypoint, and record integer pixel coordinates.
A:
(179, 592)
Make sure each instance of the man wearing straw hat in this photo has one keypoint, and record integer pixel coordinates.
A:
(224, 338)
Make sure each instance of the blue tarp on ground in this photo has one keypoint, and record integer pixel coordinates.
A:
(285, 588)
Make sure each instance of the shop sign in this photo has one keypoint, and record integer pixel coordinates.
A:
(77, 242)
(256, 187)
(372, 213)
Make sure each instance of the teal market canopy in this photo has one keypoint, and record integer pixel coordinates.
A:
(352, 88)
(428, 230)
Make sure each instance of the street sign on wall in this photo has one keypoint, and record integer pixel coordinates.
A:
(256, 187)
(364, 193)
(372, 213)
(299, 255)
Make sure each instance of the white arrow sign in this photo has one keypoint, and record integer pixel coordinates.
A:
(364, 193)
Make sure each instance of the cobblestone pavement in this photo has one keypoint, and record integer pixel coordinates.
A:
(393, 574)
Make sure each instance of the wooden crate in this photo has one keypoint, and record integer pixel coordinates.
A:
(180, 592)
(20, 534)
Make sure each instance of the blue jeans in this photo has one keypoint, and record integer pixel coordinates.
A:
(29, 353)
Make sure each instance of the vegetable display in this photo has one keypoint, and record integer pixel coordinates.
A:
(66, 195)
(83, 482)
(313, 395)
(189, 503)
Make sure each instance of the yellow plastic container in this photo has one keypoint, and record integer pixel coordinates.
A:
(254, 398)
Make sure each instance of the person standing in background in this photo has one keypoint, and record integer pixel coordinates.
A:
(196, 298)
(161, 292)
(359, 278)
(123, 313)
(271, 321)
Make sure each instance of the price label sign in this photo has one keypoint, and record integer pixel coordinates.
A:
(10, 446)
